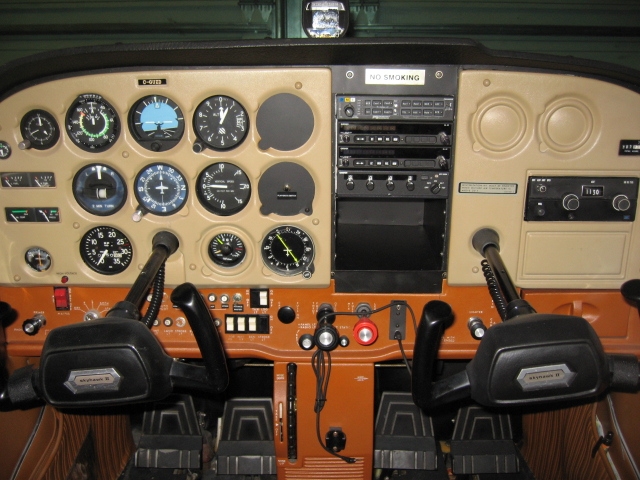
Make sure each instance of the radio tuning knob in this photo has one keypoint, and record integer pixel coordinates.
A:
(390, 184)
(570, 202)
(370, 185)
(444, 138)
(621, 203)
(350, 183)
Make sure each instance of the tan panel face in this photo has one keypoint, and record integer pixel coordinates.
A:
(514, 125)
(194, 225)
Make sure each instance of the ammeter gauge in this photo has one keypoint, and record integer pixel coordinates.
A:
(38, 259)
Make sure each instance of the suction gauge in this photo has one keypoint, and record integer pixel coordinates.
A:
(92, 123)
(39, 130)
(288, 250)
(156, 123)
(161, 189)
(106, 250)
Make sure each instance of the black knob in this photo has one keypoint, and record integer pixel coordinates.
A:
(155, 147)
(410, 185)
(286, 315)
(444, 138)
(621, 203)
(435, 188)
(31, 326)
(390, 185)
(198, 147)
(350, 185)
(325, 312)
(370, 185)
(443, 163)
(570, 202)
(631, 292)
(348, 111)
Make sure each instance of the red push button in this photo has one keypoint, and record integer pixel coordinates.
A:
(365, 332)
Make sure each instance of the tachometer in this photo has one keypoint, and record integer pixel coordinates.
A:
(156, 123)
(99, 189)
(227, 250)
(92, 123)
(288, 250)
(106, 250)
(161, 189)
(39, 130)
(223, 188)
(221, 122)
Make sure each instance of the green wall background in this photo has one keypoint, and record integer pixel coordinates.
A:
(583, 28)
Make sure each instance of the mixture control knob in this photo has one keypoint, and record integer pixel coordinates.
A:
(365, 331)
(349, 111)
(621, 203)
(370, 185)
(570, 202)
(31, 326)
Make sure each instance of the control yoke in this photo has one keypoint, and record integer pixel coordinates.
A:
(533, 358)
(117, 360)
